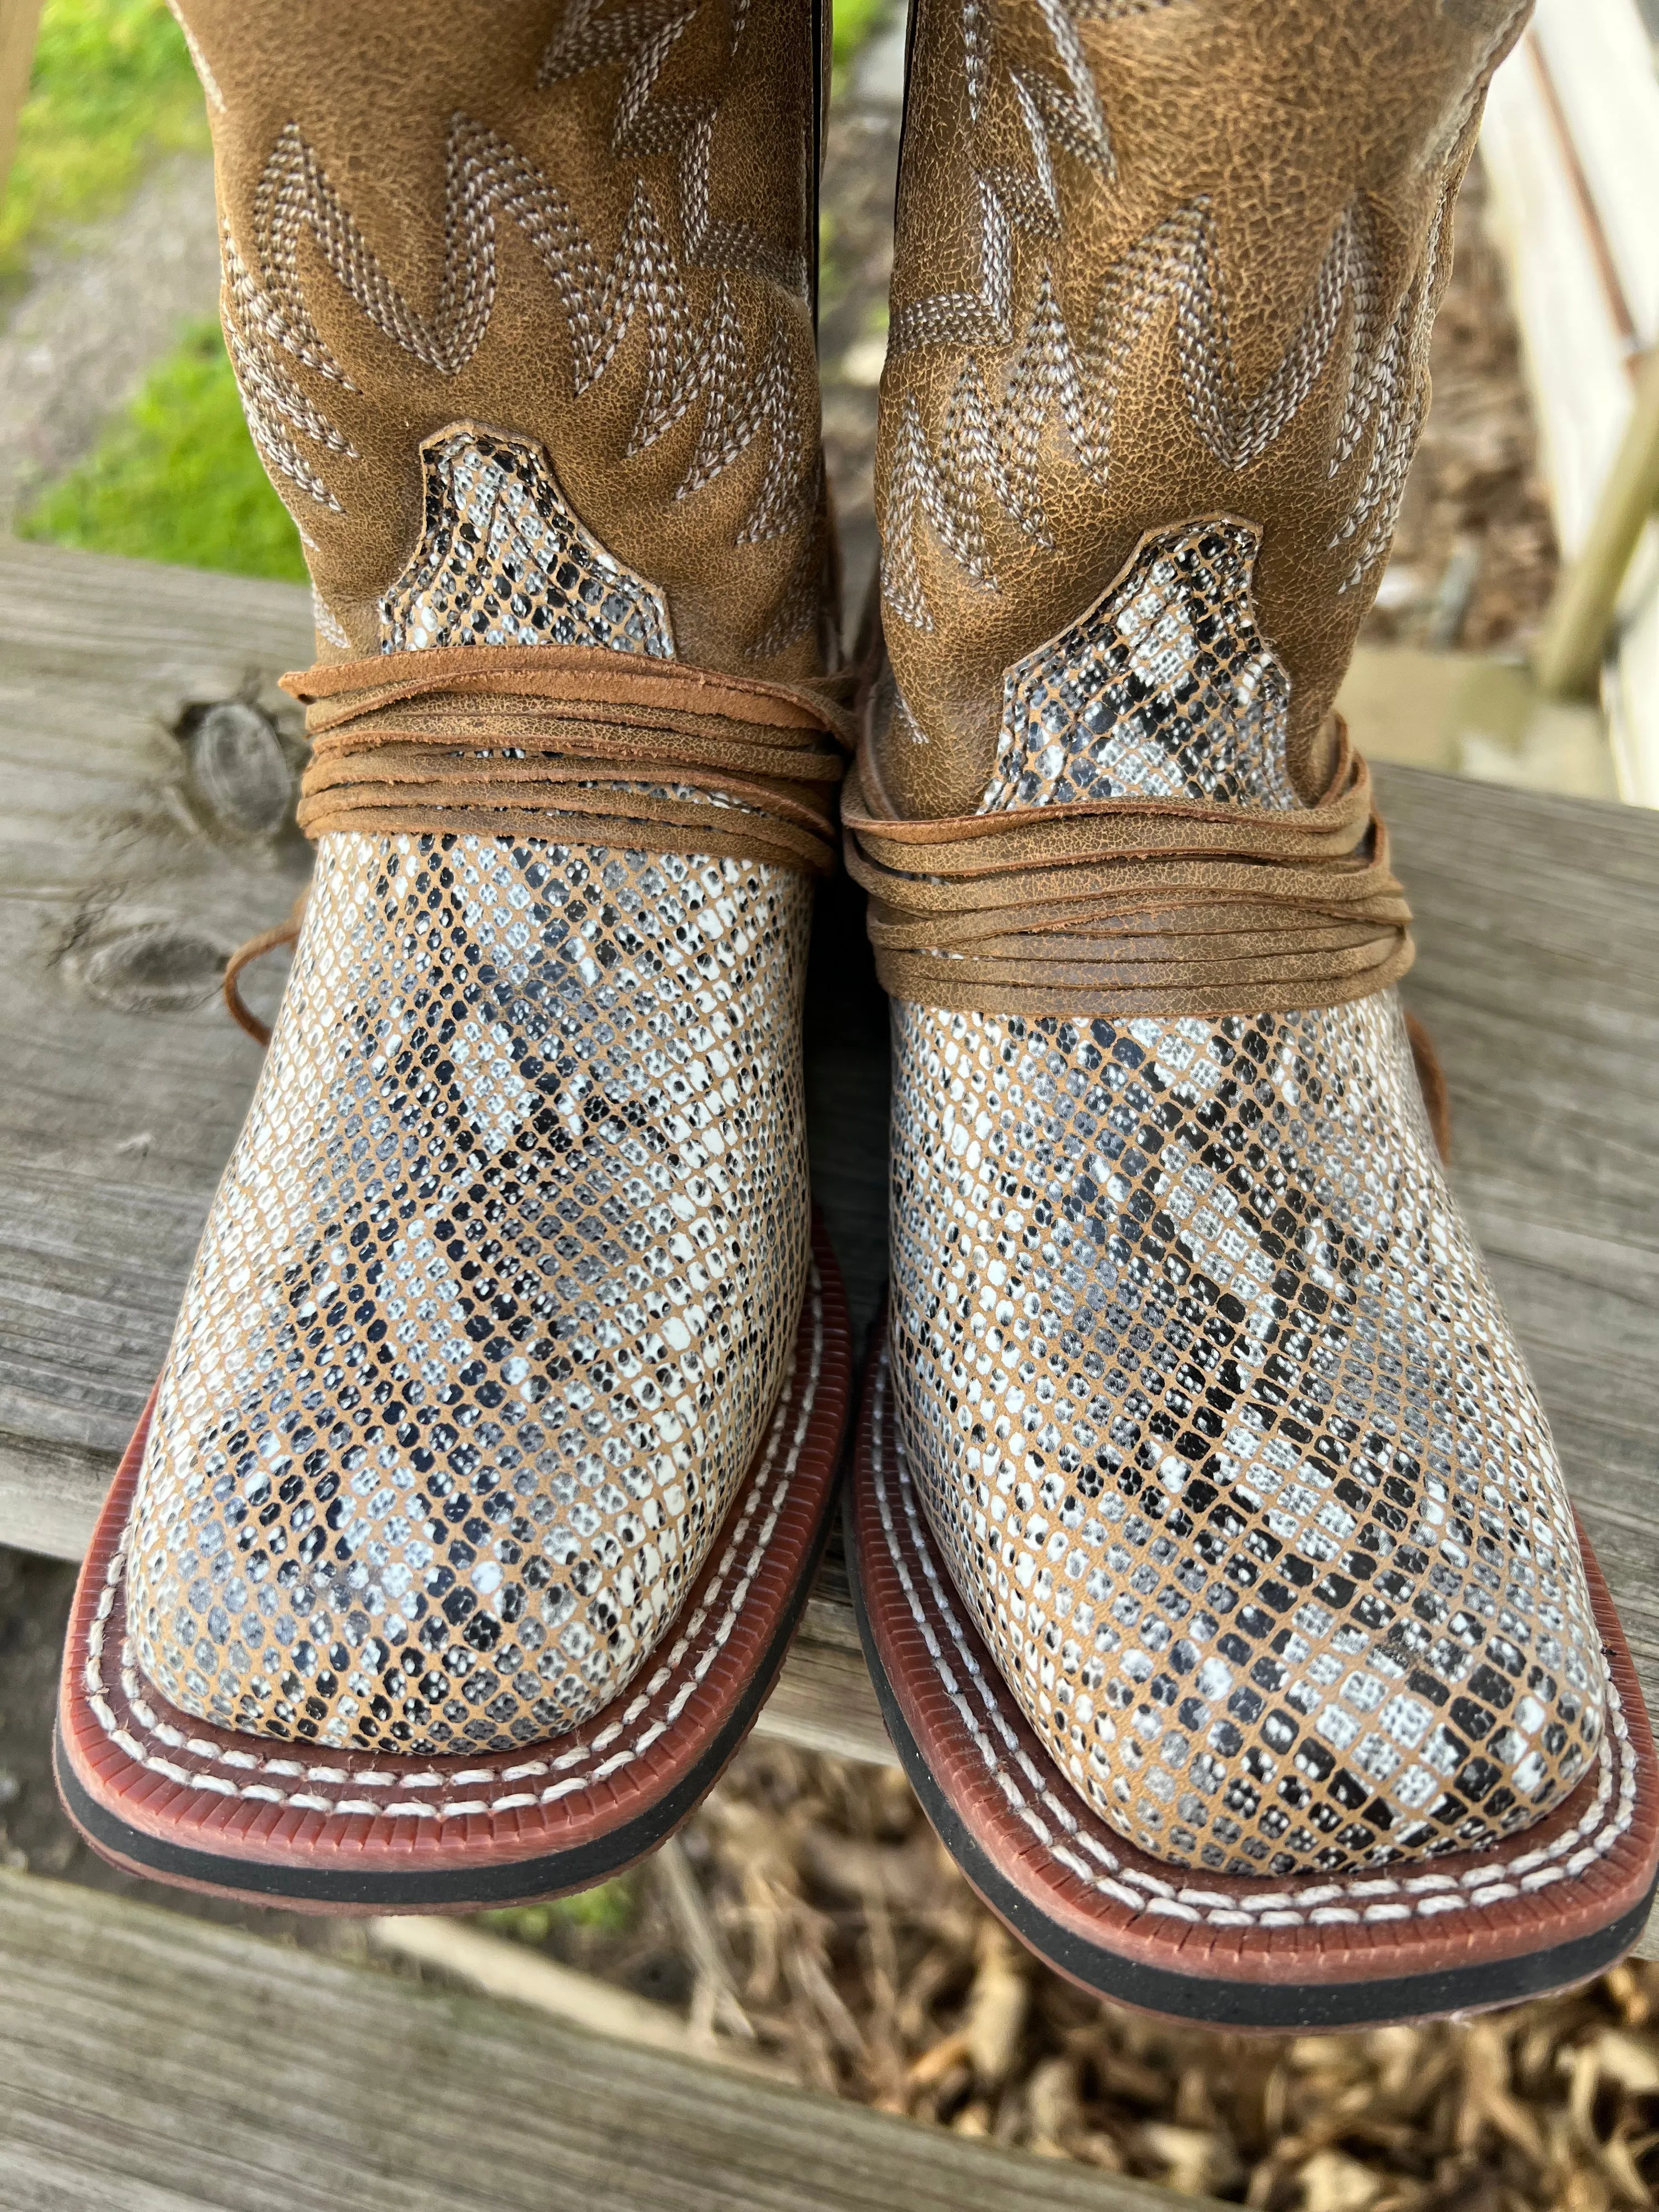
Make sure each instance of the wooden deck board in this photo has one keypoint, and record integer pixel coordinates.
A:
(1537, 973)
(150, 2062)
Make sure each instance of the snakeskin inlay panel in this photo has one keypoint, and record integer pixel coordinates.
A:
(499, 1286)
(503, 560)
(494, 1300)
(1226, 1438)
(1165, 688)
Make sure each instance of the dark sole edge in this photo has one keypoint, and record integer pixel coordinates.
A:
(1207, 2001)
(460, 1888)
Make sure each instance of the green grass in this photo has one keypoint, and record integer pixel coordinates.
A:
(608, 1908)
(856, 22)
(112, 87)
(177, 478)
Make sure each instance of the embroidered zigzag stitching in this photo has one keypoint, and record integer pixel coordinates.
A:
(1009, 200)
(267, 319)
(991, 448)
(641, 38)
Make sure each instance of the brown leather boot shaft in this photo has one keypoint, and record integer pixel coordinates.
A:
(589, 227)
(1157, 261)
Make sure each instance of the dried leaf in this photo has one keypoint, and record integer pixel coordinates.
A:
(931, 2069)
(1486, 2101)
(1332, 2182)
(1630, 2062)
(885, 1979)
(1619, 2164)
(1051, 2100)
(1585, 2190)
(1193, 2160)
(1398, 2055)
(996, 2004)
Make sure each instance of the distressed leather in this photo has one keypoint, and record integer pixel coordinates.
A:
(588, 225)
(1155, 262)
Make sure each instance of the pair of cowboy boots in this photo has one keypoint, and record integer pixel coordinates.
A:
(1214, 1563)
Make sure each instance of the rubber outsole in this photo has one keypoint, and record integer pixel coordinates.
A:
(189, 1802)
(1537, 1911)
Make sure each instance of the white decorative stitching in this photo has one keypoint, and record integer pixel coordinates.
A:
(613, 1733)
(268, 322)
(990, 444)
(1425, 1894)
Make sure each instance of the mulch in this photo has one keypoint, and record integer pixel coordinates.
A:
(839, 1936)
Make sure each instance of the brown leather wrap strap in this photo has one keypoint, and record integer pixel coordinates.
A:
(1142, 906)
(576, 744)
(268, 940)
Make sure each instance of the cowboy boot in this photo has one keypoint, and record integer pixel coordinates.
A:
(1219, 1577)
(473, 1510)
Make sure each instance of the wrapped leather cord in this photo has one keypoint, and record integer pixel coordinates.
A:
(571, 743)
(576, 744)
(1132, 906)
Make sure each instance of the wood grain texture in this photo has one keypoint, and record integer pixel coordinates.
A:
(1571, 152)
(116, 1118)
(1571, 320)
(1538, 974)
(1599, 57)
(153, 2063)
(124, 1085)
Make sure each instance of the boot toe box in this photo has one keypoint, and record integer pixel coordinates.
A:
(1225, 1437)
(492, 1302)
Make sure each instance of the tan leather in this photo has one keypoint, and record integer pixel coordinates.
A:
(1431, 1082)
(1145, 906)
(264, 941)
(576, 742)
(1156, 261)
(591, 225)
(648, 696)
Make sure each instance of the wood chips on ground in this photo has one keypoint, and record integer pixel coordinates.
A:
(837, 1934)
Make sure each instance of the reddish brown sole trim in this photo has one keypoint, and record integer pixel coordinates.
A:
(164, 1795)
(1552, 1905)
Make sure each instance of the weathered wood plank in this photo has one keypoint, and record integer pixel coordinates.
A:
(1538, 972)
(1600, 59)
(1464, 714)
(1570, 145)
(121, 1104)
(1571, 327)
(122, 893)
(152, 2063)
